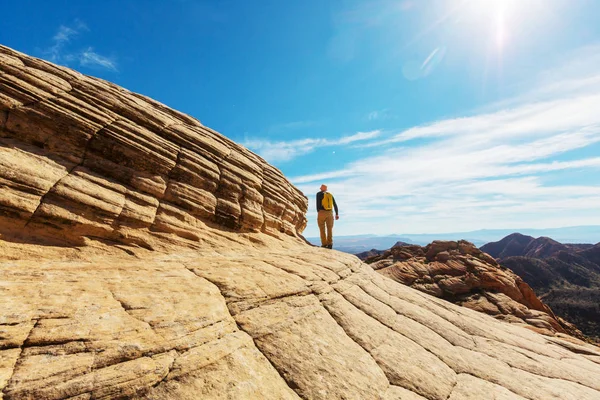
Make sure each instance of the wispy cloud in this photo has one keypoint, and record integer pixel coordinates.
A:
(287, 150)
(63, 36)
(65, 33)
(525, 121)
(62, 49)
(356, 137)
(89, 57)
(378, 115)
(491, 170)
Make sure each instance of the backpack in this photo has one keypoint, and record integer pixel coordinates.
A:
(327, 201)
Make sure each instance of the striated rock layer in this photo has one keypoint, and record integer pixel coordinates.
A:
(461, 273)
(145, 256)
(85, 158)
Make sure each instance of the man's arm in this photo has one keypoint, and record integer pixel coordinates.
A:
(317, 200)
(335, 206)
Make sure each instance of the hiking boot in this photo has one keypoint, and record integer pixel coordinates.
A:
(329, 246)
(324, 246)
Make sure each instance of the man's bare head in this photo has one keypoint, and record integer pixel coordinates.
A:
(323, 188)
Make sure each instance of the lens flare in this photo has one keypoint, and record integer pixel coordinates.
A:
(500, 30)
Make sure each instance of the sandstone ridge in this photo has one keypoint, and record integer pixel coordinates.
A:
(463, 274)
(81, 157)
(143, 255)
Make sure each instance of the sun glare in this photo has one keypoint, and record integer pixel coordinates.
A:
(499, 9)
(500, 27)
(503, 19)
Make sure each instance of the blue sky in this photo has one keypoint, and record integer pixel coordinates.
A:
(422, 116)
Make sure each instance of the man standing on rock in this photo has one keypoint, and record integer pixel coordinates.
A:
(325, 206)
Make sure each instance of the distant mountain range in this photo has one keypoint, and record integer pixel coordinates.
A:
(361, 243)
(565, 276)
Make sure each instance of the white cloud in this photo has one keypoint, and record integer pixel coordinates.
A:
(492, 170)
(527, 120)
(61, 38)
(373, 115)
(356, 137)
(285, 151)
(61, 50)
(64, 34)
(379, 115)
(90, 58)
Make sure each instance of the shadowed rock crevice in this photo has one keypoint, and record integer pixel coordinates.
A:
(127, 308)
(452, 389)
(169, 175)
(43, 198)
(26, 99)
(3, 119)
(16, 357)
(166, 373)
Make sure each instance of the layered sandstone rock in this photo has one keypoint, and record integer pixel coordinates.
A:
(84, 157)
(461, 273)
(143, 255)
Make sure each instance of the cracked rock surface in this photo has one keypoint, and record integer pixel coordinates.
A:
(143, 255)
(462, 274)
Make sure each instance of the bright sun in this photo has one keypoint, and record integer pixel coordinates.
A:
(500, 23)
(501, 18)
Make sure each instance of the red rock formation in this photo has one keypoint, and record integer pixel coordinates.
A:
(463, 274)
